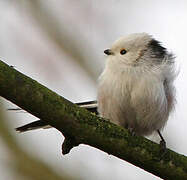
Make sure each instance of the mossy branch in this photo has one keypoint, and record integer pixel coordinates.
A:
(82, 127)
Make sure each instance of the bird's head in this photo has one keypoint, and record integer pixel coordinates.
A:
(135, 50)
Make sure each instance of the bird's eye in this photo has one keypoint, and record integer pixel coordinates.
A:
(123, 51)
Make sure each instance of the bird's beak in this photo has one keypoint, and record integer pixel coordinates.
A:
(108, 52)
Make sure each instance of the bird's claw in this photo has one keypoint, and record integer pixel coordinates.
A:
(163, 149)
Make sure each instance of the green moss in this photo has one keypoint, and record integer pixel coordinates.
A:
(80, 126)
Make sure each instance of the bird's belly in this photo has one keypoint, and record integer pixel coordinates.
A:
(114, 102)
(140, 108)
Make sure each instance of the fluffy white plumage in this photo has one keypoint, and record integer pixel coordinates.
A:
(136, 87)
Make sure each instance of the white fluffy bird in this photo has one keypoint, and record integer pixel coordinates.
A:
(136, 88)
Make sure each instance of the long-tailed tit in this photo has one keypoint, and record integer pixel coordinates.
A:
(136, 88)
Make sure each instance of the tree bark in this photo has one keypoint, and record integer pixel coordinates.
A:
(79, 126)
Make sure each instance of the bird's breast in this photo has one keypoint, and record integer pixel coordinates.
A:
(135, 100)
(114, 93)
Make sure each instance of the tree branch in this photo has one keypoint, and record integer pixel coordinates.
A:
(82, 127)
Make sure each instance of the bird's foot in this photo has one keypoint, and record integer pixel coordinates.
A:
(163, 149)
(163, 145)
(131, 131)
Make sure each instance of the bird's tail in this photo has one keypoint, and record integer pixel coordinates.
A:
(90, 106)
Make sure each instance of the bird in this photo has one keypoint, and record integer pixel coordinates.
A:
(136, 88)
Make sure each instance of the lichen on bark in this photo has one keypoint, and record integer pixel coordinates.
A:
(82, 127)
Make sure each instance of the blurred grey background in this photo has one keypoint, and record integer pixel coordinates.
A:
(60, 44)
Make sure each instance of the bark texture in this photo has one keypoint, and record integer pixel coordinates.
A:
(82, 127)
